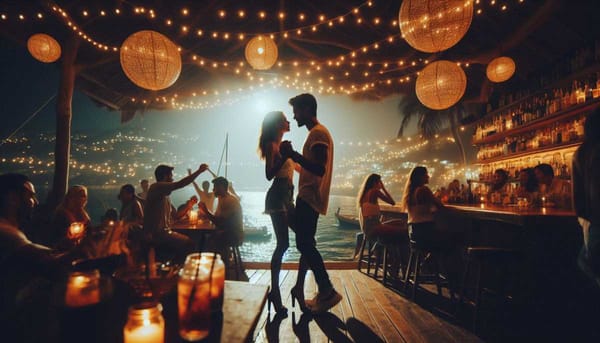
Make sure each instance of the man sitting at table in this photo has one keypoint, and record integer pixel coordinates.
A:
(160, 212)
(228, 217)
(26, 267)
(555, 192)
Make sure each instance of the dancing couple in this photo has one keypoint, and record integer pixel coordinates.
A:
(315, 166)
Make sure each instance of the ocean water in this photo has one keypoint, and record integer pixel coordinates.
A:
(335, 244)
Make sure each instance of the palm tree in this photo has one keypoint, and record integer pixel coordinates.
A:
(432, 122)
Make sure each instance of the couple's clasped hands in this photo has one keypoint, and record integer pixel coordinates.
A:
(285, 149)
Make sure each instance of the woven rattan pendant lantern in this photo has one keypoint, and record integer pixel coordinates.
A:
(43, 48)
(440, 85)
(500, 69)
(261, 52)
(435, 25)
(150, 60)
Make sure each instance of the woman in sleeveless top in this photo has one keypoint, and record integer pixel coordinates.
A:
(371, 192)
(421, 205)
(279, 201)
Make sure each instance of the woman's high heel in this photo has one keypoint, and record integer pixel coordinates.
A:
(298, 295)
(275, 299)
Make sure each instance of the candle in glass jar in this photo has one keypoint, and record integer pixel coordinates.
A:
(145, 324)
(83, 289)
(76, 230)
(193, 217)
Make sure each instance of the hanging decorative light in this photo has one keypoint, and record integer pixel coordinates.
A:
(43, 48)
(500, 69)
(434, 25)
(440, 85)
(150, 60)
(261, 52)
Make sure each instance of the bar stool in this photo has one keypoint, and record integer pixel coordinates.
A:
(236, 260)
(417, 253)
(486, 257)
(370, 245)
(377, 253)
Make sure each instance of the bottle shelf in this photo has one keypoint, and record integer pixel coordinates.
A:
(556, 84)
(541, 122)
(530, 152)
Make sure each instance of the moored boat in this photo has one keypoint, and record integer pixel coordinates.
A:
(346, 221)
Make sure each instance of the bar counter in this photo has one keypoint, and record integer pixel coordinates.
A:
(548, 241)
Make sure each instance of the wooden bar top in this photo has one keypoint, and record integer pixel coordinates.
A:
(514, 210)
(494, 209)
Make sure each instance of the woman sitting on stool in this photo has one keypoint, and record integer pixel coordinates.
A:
(393, 231)
(371, 192)
(421, 205)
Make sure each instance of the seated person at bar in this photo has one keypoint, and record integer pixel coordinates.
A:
(528, 185)
(71, 210)
(498, 188)
(421, 205)
(586, 195)
(454, 191)
(27, 268)
(392, 231)
(371, 192)
(553, 191)
(228, 217)
(159, 212)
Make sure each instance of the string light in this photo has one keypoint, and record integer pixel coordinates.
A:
(314, 68)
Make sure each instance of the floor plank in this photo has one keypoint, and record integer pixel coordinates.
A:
(369, 295)
(369, 312)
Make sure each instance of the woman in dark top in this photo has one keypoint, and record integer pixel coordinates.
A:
(279, 203)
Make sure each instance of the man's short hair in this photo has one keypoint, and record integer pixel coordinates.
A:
(545, 169)
(128, 188)
(305, 101)
(11, 182)
(221, 181)
(162, 171)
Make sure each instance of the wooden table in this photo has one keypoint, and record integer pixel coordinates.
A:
(241, 310)
(242, 307)
(196, 232)
(103, 323)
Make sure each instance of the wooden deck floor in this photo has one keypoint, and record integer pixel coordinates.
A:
(369, 312)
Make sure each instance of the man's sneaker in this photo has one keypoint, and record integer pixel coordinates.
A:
(323, 303)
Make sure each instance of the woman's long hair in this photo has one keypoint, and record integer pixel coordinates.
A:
(66, 204)
(415, 180)
(367, 184)
(269, 131)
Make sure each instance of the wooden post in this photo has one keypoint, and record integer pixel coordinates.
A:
(62, 146)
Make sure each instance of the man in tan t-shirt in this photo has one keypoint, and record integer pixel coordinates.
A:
(159, 212)
(316, 164)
